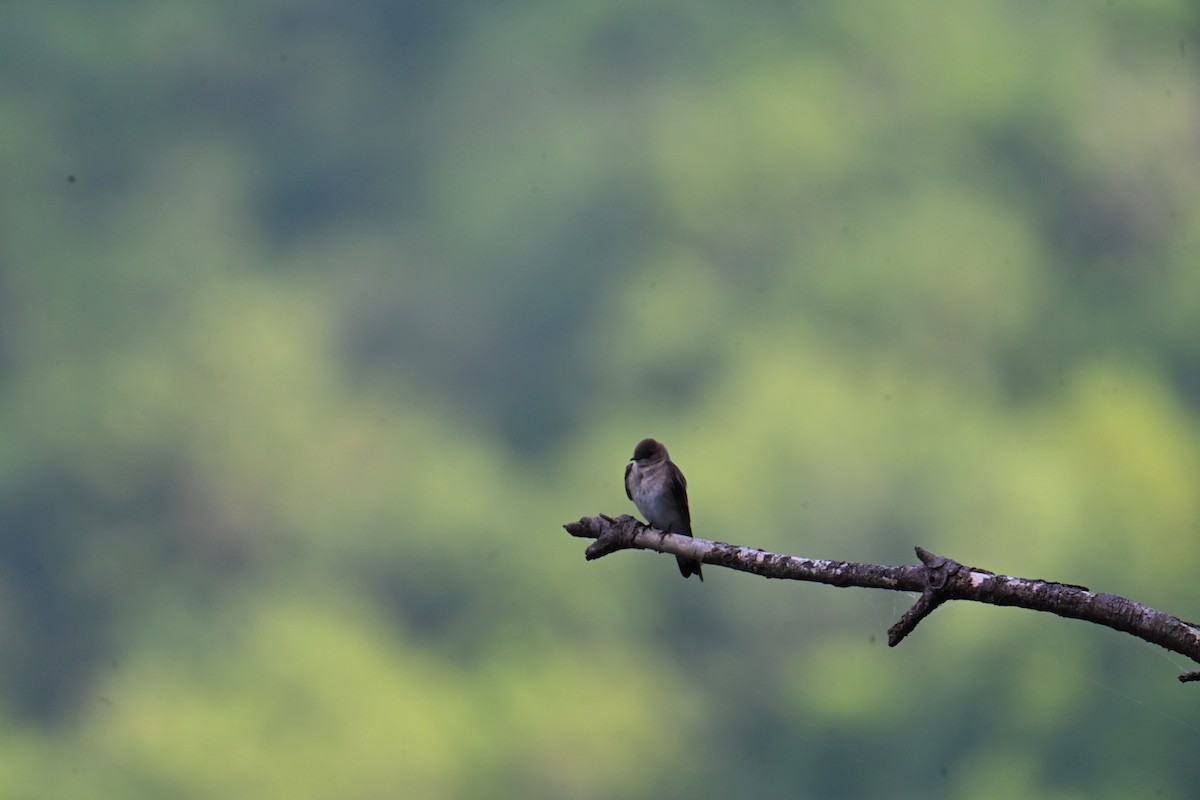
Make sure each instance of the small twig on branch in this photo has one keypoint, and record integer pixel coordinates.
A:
(937, 578)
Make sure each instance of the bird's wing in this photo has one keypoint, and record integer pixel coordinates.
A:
(628, 469)
(679, 492)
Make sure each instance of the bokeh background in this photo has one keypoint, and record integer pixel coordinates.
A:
(318, 320)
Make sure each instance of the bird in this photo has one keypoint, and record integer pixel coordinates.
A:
(659, 490)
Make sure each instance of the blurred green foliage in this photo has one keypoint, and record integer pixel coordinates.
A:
(317, 322)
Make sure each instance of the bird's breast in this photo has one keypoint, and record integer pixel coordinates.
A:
(657, 505)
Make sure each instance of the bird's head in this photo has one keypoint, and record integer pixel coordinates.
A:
(649, 450)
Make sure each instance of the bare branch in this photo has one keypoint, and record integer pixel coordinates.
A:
(937, 578)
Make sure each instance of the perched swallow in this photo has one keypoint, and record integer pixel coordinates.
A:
(659, 490)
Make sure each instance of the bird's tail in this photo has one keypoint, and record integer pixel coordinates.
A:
(689, 567)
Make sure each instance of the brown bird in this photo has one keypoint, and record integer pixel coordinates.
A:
(659, 490)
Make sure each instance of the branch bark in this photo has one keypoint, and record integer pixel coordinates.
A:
(937, 578)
